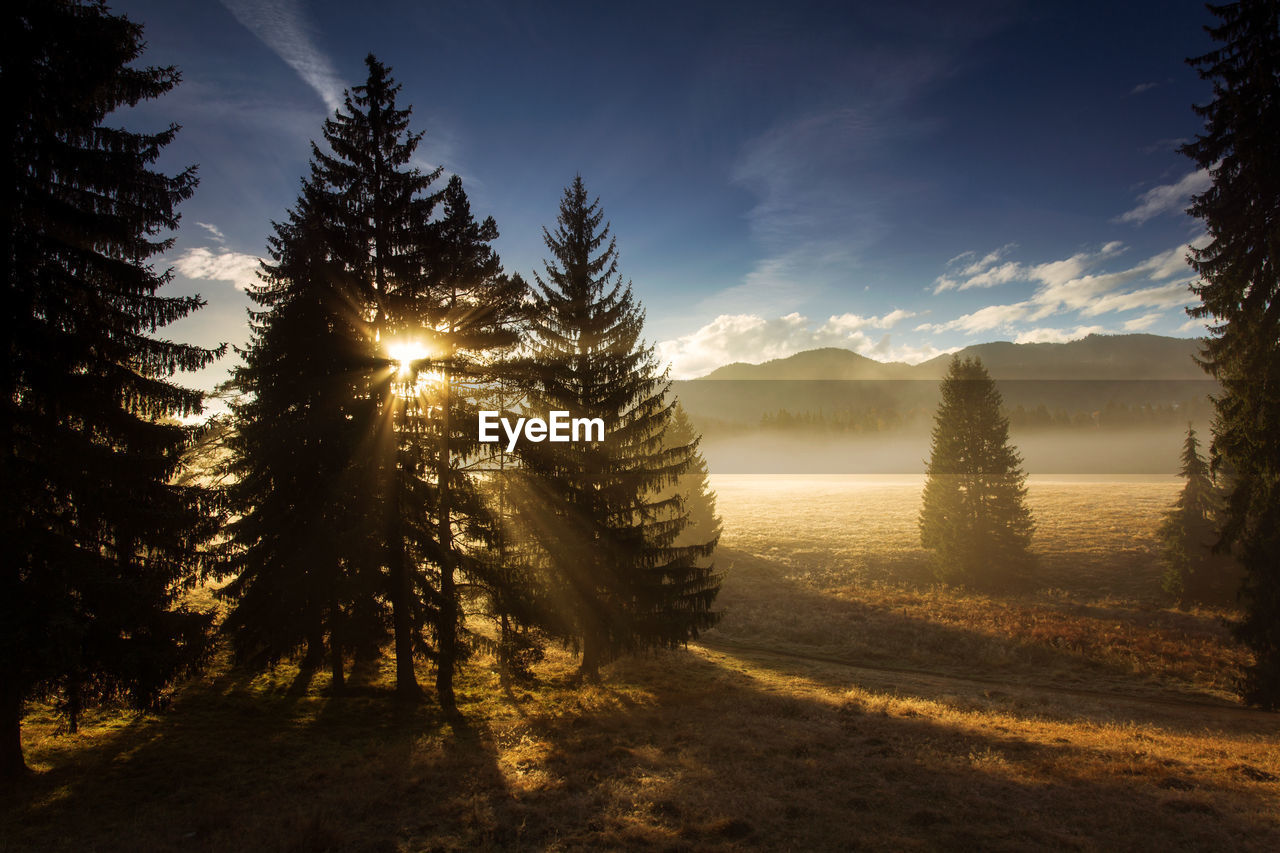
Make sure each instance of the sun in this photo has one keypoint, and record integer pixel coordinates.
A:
(405, 353)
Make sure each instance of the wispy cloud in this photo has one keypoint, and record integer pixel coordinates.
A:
(787, 279)
(281, 25)
(1164, 296)
(1166, 144)
(1069, 285)
(752, 337)
(214, 232)
(982, 320)
(1057, 336)
(1142, 87)
(208, 264)
(989, 271)
(1167, 198)
(822, 193)
(1146, 321)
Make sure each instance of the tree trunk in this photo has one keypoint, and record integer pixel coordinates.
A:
(505, 651)
(73, 704)
(402, 595)
(401, 580)
(448, 627)
(315, 647)
(12, 765)
(592, 654)
(336, 680)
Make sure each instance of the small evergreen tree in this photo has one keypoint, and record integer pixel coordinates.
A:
(624, 582)
(974, 518)
(1194, 574)
(1239, 272)
(693, 486)
(97, 537)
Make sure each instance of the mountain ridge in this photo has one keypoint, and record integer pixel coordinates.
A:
(1132, 356)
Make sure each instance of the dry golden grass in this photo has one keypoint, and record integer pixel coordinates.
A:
(1095, 537)
(843, 703)
(834, 564)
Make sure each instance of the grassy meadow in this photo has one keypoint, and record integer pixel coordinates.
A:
(844, 701)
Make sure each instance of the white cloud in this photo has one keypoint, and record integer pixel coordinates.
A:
(843, 324)
(1057, 336)
(988, 272)
(214, 232)
(1066, 285)
(1146, 321)
(1193, 325)
(219, 265)
(1142, 87)
(281, 25)
(1167, 198)
(751, 337)
(982, 320)
(1162, 296)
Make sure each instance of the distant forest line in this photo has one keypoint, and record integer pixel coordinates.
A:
(869, 407)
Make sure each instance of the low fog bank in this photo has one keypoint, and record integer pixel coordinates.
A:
(1150, 452)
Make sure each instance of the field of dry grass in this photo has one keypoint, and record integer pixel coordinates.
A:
(844, 702)
(834, 565)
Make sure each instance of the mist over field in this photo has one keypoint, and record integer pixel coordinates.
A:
(1045, 452)
(785, 421)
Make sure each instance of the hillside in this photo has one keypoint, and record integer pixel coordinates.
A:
(1113, 357)
(825, 363)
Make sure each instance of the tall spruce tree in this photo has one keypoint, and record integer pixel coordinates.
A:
(1194, 574)
(303, 560)
(974, 517)
(476, 312)
(97, 538)
(1239, 273)
(513, 577)
(377, 210)
(611, 540)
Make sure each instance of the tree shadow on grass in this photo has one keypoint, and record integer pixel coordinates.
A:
(234, 765)
(766, 608)
(719, 757)
(708, 750)
(676, 751)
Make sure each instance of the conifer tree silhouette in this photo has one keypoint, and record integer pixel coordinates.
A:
(974, 517)
(1194, 574)
(98, 539)
(1239, 284)
(611, 540)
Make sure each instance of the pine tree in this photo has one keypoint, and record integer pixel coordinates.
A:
(514, 571)
(1239, 273)
(1193, 573)
(97, 538)
(974, 517)
(476, 312)
(377, 211)
(303, 561)
(693, 486)
(611, 542)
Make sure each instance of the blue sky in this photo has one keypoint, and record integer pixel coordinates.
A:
(898, 178)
